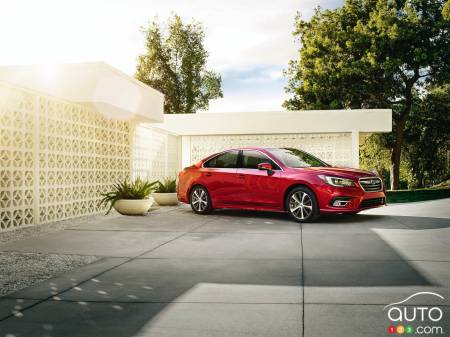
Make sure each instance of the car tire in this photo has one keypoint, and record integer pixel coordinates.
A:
(301, 204)
(200, 200)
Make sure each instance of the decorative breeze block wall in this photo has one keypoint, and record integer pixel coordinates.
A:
(333, 148)
(56, 157)
(17, 158)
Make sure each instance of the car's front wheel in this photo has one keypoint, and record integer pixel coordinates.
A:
(302, 205)
(200, 200)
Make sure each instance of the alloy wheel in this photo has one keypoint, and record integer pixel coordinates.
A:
(301, 205)
(199, 200)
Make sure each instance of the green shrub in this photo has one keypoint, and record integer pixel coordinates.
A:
(417, 195)
(137, 189)
(167, 185)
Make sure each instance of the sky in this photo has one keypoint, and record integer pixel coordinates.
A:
(250, 42)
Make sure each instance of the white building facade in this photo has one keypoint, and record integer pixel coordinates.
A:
(68, 132)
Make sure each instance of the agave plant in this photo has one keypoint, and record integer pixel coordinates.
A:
(137, 189)
(167, 185)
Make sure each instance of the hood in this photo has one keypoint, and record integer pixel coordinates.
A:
(344, 172)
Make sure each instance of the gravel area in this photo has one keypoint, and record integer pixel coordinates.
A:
(21, 270)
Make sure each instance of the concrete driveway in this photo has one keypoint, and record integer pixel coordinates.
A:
(230, 274)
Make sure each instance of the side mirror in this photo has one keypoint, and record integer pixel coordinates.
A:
(266, 167)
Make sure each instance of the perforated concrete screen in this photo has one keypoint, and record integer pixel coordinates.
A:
(17, 158)
(56, 158)
(333, 148)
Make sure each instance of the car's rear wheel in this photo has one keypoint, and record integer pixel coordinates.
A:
(301, 203)
(200, 200)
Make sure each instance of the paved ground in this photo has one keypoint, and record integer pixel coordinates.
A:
(174, 274)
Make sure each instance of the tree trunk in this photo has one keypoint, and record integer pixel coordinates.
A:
(398, 143)
(395, 156)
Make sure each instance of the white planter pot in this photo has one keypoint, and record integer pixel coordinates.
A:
(165, 199)
(133, 207)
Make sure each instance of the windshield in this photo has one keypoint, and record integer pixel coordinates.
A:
(296, 158)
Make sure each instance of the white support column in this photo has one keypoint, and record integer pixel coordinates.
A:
(166, 155)
(355, 148)
(179, 153)
(185, 151)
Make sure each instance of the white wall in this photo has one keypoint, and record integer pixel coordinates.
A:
(334, 148)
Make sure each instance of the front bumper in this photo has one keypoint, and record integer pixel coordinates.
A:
(354, 199)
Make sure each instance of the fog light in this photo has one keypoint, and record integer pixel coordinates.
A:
(341, 203)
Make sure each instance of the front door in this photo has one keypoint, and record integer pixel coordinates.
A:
(258, 188)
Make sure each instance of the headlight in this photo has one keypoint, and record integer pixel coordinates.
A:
(336, 181)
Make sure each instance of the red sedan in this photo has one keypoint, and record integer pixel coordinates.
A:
(278, 179)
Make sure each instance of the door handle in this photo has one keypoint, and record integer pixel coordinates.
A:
(241, 176)
(208, 174)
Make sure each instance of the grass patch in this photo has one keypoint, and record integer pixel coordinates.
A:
(417, 195)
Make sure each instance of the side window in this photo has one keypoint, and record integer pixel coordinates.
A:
(251, 159)
(225, 160)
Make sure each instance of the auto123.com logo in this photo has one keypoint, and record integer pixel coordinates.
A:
(415, 319)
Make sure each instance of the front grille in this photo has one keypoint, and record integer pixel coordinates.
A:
(372, 184)
(372, 202)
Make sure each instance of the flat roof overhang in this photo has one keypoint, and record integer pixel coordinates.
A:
(278, 122)
(95, 84)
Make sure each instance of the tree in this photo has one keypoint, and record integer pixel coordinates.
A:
(374, 156)
(371, 53)
(175, 64)
(427, 138)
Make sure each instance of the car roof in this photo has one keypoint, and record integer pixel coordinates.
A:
(258, 148)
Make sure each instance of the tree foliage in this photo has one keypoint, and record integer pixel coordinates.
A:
(175, 64)
(427, 138)
(426, 159)
(371, 54)
(375, 156)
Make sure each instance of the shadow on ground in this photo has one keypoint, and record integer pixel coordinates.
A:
(217, 281)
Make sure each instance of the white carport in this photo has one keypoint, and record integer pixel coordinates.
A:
(94, 84)
(333, 135)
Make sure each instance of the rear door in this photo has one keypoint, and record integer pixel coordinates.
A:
(219, 175)
(258, 188)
